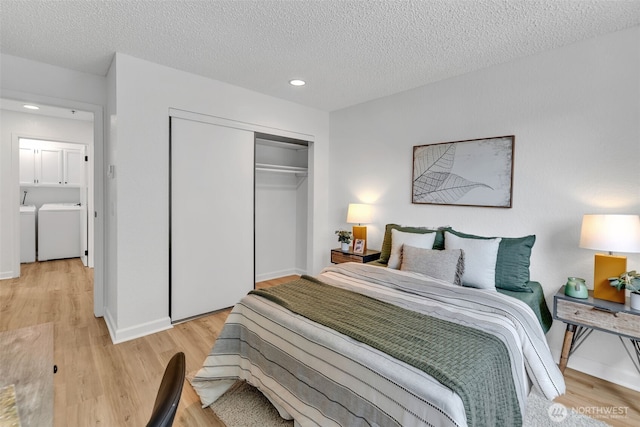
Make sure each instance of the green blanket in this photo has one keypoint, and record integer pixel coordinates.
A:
(472, 363)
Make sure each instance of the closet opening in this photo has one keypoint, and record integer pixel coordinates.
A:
(281, 206)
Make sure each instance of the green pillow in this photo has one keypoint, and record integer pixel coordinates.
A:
(512, 264)
(385, 252)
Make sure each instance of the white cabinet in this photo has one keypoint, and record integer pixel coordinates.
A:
(27, 166)
(42, 167)
(73, 167)
(51, 166)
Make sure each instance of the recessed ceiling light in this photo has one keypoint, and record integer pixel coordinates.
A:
(297, 82)
(31, 107)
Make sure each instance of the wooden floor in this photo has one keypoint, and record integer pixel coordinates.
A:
(101, 384)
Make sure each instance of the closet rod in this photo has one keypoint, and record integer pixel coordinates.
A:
(279, 168)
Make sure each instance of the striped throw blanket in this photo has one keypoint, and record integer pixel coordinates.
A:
(471, 362)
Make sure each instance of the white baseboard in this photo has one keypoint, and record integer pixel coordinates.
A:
(623, 377)
(126, 334)
(108, 319)
(137, 331)
(276, 274)
(7, 275)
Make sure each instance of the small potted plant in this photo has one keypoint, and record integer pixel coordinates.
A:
(629, 280)
(344, 237)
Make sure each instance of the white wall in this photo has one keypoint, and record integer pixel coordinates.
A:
(111, 195)
(575, 114)
(144, 92)
(36, 79)
(276, 226)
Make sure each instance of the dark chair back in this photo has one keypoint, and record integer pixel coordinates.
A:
(164, 409)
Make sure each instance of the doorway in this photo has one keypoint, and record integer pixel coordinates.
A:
(53, 179)
(32, 127)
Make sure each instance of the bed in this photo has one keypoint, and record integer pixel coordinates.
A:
(355, 354)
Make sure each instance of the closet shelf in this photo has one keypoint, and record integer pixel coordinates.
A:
(281, 169)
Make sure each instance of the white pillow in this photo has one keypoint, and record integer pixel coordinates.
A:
(480, 257)
(399, 238)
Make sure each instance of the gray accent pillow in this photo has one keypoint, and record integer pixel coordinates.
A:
(447, 265)
(400, 238)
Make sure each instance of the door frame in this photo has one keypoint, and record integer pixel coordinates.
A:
(96, 153)
(86, 197)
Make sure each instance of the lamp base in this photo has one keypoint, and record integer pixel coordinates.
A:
(360, 232)
(606, 266)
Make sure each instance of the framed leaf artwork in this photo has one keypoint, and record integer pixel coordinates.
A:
(475, 172)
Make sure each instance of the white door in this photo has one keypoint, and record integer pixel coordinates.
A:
(212, 217)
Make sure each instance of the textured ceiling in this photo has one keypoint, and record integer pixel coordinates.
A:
(348, 51)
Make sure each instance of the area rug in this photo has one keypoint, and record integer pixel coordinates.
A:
(26, 366)
(543, 413)
(244, 406)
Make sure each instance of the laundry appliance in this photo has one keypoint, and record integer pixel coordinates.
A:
(27, 233)
(59, 231)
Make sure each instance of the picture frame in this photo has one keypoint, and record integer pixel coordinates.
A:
(474, 172)
(358, 246)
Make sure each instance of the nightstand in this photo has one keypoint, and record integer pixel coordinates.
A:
(337, 256)
(583, 316)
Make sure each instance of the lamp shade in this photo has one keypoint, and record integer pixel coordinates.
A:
(612, 233)
(358, 213)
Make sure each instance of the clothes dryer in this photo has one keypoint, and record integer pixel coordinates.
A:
(59, 231)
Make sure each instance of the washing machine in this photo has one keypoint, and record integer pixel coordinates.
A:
(59, 231)
(27, 233)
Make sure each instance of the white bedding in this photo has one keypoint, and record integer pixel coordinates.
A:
(321, 378)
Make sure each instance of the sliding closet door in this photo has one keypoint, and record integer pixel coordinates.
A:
(212, 255)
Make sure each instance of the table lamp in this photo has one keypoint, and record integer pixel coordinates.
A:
(359, 214)
(611, 233)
